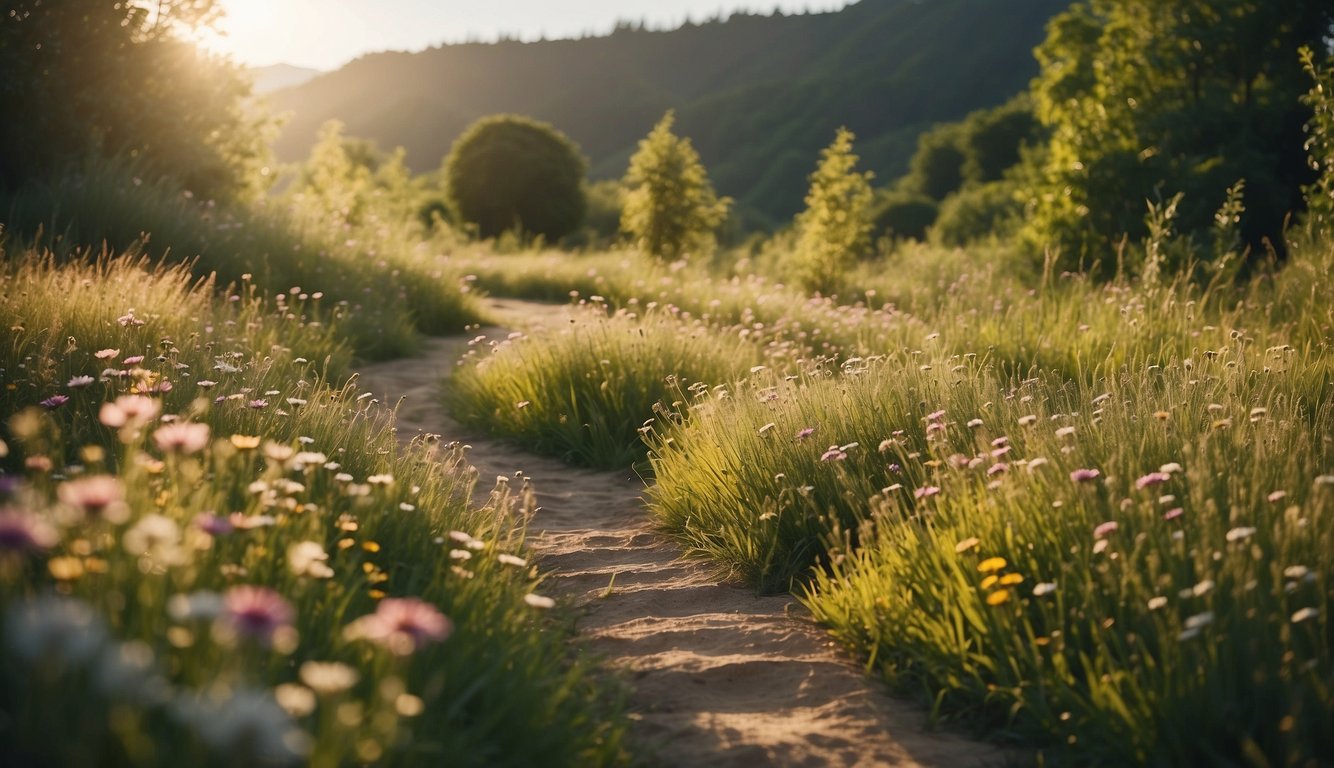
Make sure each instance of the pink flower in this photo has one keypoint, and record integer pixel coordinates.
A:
(133, 360)
(181, 437)
(998, 468)
(834, 453)
(402, 625)
(213, 525)
(925, 491)
(54, 401)
(935, 415)
(258, 404)
(1153, 478)
(805, 432)
(131, 410)
(1173, 513)
(96, 496)
(1105, 529)
(21, 533)
(256, 612)
(80, 381)
(1085, 475)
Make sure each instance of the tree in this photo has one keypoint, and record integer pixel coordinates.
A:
(835, 229)
(101, 77)
(1146, 99)
(510, 172)
(670, 208)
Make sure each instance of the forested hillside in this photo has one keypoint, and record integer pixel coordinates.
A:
(758, 95)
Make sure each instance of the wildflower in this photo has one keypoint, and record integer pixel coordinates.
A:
(935, 415)
(974, 423)
(1035, 463)
(305, 459)
(1151, 479)
(764, 429)
(106, 354)
(182, 437)
(244, 442)
(402, 625)
(1157, 602)
(538, 601)
(1000, 442)
(1084, 475)
(206, 384)
(1276, 496)
(80, 381)
(1028, 420)
(1065, 432)
(96, 496)
(1173, 513)
(991, 564)
(384, 479)
(1044, 588)
(998, 468)
(22, 533)
(998, 597)
(257, 612)
(54, 401)
(1305, 614)
(308, 558)
(1296, 572)
(507, 559)
(1170, 468)
(1239, 534)
(925, 492)
(328, 677)
(805, 432)
(129, 410)
(835, 453)
(966, 544)
(154, 536)
(258, 404)
(1203, 588)
(1324, 480)
(296, 700)
(54, 627)
(1010, 579)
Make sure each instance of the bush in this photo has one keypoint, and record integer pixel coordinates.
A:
(905, 215)
(975, 212)
(835, 229)
(512, 173)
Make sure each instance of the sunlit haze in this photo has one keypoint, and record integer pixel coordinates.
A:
(328, 33)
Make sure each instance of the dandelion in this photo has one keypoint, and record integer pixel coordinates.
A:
(182, 437)
(79, 382)
(257, 612)
(402, 625)
(991, 565)
(1044, 588)
(538, 601)
(925, 492)
(328, 677)
(1010, 579)
(1084, 475)
(999, 597)
(97, 496)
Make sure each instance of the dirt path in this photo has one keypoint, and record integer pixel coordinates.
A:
(720, 677)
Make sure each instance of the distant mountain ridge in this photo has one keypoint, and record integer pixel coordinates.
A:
(758, 95)
(275, 77)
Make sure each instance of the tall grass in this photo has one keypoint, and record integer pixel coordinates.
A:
(205, 535)
(585, 390)
(391, 284)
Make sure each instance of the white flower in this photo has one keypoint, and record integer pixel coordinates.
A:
(1044, 588)
(308, 558)
(1304, 615)
(538, 601)
(517, 562)
(328, 677)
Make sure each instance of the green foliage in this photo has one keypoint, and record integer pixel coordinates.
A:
(108, 78)
(583, 391)
(509, 173)
(977, 212)
(759, 95)
(1319, 145)
(835, 229)
(937, 168)
(670, 210)
(350, 182)
(904, 215)
(115, 626)
(1145, 100)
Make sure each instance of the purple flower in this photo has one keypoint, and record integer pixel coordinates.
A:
(80, 381)
(181, 437)
(1085, 475)
(21, 533)
(1173, 513)
(133, 360)
(895, 468)
(925, 491)
(213, 525)
(935, 415)
(1153, 478)
(54, 401)
(402, 625)
(1105, 529)
(256, 612)
(805, 432)
(257, 404)
(834, 453)
(998, 468)
(96, 496)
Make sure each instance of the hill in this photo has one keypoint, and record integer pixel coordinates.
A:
(759, 95)
(278, 76)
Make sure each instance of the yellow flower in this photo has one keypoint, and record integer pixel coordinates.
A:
(966, 544)
(996, 598)
(990, 581)
(65, 568)
(245, 442)
(991, 564)
(1010, 579)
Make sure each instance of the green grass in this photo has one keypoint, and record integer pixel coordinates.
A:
(105, 619)
(583, 392)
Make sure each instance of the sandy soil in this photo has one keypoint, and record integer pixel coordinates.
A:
(719, 676)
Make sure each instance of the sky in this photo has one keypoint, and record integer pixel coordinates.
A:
(326, 34)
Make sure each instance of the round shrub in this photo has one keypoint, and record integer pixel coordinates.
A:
(975, 212)
(512, 173)
(905, 215)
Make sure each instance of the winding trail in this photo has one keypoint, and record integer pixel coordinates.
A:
(718, 676)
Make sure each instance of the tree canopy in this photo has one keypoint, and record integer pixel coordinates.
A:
(513, 173)
(103, 77)
(670, 208)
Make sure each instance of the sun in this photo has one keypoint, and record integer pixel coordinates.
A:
(256, 32)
